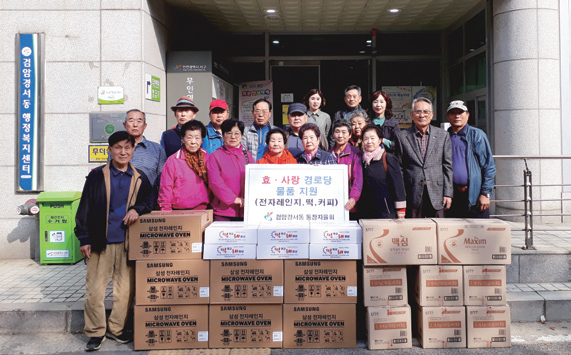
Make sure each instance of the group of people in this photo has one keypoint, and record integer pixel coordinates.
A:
(421, 171)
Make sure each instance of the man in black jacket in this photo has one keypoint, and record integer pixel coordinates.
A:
(113, 198)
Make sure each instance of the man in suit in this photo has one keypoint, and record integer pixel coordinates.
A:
(425, 156)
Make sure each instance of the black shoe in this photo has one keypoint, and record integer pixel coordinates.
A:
(124, 338)
(94, 343)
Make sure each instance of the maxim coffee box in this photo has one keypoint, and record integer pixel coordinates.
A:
(168, 235)
(485, 285)
(473, 241)
(286, 233)
(246, 326)
(172, 282)
(282, 251)
(171, 327)
(229, 251)
(389, 327)
(319, 326)
(231, 233)
(442, 327)
(320, 281)
(488, 327)
(335, 251)
(346, 233)
(385, 286)
(399, 242)
(438, 285)
(246, 281)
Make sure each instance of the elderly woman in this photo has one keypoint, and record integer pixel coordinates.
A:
(183, 178)
(314, 100)
(382, 108)
(312, 154)
(276, 139)
(358, 119)
(346, 154)
(383, 194)
(227, 171)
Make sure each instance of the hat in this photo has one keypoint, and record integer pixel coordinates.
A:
(185, 101)
(296, 107)
(218, 104)
(457, 104)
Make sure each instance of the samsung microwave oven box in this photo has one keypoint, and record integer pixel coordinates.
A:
(442, 327)
(159, 282)
(222, 232)
(488, 327)
(399, 242)
(344, 233)
(473, 241)
(337, 251)
(439, 285)
(389, 328)
(246, 326)
(385, 286)
(170, 327)
(319, 326)
(229, 251)
(283, 251)
(284, 233)
(168, 235)
(484, 285)
(246, 281)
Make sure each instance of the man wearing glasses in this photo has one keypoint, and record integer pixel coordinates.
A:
(425, 156)
(254, 138)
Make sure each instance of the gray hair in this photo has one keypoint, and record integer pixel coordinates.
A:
(353, 87)
(136, 110)
(418, 99)
(359, 113)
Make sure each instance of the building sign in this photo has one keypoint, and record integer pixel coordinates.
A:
(98, 153)
(28, 112)
(282, 194)
(110, 95)
(152, 88)
(249, 93)
(104, 124)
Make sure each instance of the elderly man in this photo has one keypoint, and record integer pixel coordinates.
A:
(352, 100)
(254, 138)
(218, 114)
(148, 156)
(425, 156)
(472, 163)
(184, 111)
(297, 117)
(113, 198)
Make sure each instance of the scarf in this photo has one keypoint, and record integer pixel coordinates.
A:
(196, 162)
(376, 154)
(286, 158)
(379, 121)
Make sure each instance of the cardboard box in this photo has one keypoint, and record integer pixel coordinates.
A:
(346, 233)
(488, 327)
(246, 326)
(438, 285)
(389, 328)
(168, 235)
(283, 251)
(313, 281)
(399, 242)
(247, 281)
(442, 327)
(319, 326)
(473, 241)
(485, 285)
(172, 282)
(170, 327)
(287, 233)
(229, 251)
(335, 251)
(385, 286)
(231, 233)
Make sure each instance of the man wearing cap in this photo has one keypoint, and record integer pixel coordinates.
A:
(114, 196)
(254, 138)
(472, 163)
(297, 117)
(184, 111)
(218, 114)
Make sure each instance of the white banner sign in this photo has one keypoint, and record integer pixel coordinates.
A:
(293, 193)
(248, 94)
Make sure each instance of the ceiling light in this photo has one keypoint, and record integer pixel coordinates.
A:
(393, 11)
(369, 41)
(362, 52)
(276, 42)
(270, 11)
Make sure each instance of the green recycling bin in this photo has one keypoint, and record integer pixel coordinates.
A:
(58, 243)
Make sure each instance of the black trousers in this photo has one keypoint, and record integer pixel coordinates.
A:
(460, 207)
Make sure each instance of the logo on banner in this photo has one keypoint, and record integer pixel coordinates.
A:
(26, 51)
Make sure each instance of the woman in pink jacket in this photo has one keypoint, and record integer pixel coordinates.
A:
(227, 173)
(184, 177)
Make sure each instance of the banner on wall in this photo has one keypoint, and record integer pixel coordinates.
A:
(248, 94)
(402, 97)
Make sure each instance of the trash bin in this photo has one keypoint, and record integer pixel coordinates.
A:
(58, 244)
